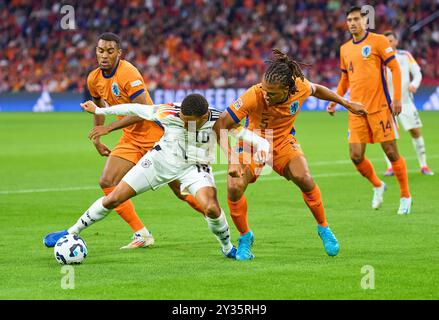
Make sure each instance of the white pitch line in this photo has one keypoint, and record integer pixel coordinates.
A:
(349, 161)
(319, 175)
(262, 178)
(60, 189)
(338, 162)
(221, 172)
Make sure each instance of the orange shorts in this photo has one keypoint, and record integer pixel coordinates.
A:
(283, 152)
(376, 127)
(129, 150)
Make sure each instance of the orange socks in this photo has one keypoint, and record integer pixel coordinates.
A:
(313, 200)
(400, 170)
(366, 169)
(238, 212)
(190, 199)
(127, 212)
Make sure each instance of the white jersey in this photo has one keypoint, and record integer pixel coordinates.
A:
(408, 67)
(181, 147)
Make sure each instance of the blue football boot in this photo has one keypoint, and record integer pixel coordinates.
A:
(231, 254)
(244, 244)
(329, 241)
(51, 239)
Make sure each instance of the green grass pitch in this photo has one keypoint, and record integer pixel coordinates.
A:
(49, 173)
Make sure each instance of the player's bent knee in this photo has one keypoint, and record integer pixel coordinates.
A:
(391, 152)
(112, 201)
(303, 181)
(235, 190)
(212, 209)
(179, 195)
(109, 203)
(357, 159)
(393, 156)
(106, 183)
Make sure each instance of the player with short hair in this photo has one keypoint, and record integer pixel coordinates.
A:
(184, 153)
(117, 81)
(272, 107)
(363, 62)
(409, 116)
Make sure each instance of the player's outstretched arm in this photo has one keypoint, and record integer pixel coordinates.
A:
(89, 106)
(101, 130)
(323, 93)
(134, 109)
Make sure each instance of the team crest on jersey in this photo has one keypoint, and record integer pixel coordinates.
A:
(115, 89)
(366, 51)
(294, 107)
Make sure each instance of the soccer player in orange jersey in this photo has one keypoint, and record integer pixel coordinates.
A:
(117, 81)
(363, 62)
(272, 106)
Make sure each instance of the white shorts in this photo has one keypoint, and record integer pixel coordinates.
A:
(153, 171)
(409, 117)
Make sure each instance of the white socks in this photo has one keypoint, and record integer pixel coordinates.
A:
(419, 146)
(95, 213)
(143, 232)
(220, 229)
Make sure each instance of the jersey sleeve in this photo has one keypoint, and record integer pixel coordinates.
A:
(415, 71)
(343, 84)
(305, 86)
(91, 86)
(343, 66)
(133, 83)
(243, 106)
(163, 113)
(385, 50)
(148, 112)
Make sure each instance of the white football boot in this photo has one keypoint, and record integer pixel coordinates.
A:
(378, 195)
(140, 241)
(405, 205)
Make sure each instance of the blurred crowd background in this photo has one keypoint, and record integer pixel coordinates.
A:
(195, 43)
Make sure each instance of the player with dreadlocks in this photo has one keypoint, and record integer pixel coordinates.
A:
(271, 107)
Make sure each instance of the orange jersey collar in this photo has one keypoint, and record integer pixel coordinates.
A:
(112, 72)
(361, 40)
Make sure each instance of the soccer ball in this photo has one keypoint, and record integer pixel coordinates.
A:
(70, 249)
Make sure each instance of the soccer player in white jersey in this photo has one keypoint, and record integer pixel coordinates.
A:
(409, 117)
(184, 153)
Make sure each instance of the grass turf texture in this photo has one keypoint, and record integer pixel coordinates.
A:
(46, 152)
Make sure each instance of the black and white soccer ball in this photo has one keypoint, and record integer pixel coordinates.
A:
(70, 249)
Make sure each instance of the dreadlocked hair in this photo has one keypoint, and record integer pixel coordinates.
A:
(283, 70)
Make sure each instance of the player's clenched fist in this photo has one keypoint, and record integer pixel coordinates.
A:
(89, 106)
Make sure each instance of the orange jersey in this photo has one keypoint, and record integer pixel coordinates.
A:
(122, 86)
(364, 63)
(279, 118)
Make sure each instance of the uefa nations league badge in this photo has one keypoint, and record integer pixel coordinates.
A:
(365, 51)
(294, 107)
(115, 89)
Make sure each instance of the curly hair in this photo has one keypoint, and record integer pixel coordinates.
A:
(194, 105)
